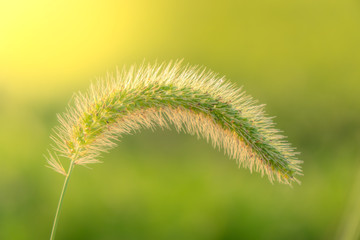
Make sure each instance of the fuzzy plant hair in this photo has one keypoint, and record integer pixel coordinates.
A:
(192, 99)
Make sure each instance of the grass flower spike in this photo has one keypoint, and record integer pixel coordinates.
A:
(192, 99)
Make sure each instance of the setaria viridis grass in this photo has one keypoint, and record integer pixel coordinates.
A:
(192, 99)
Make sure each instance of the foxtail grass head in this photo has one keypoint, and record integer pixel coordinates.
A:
(192, 99)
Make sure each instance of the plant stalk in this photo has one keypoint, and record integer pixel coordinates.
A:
(52, 237)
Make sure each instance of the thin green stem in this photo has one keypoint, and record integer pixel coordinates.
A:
(52, 237)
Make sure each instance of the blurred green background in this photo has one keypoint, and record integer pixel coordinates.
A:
(301, 58)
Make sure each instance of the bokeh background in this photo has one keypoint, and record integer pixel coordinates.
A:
(301, 58)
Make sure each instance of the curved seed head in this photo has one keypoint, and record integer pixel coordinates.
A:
(192, 99)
